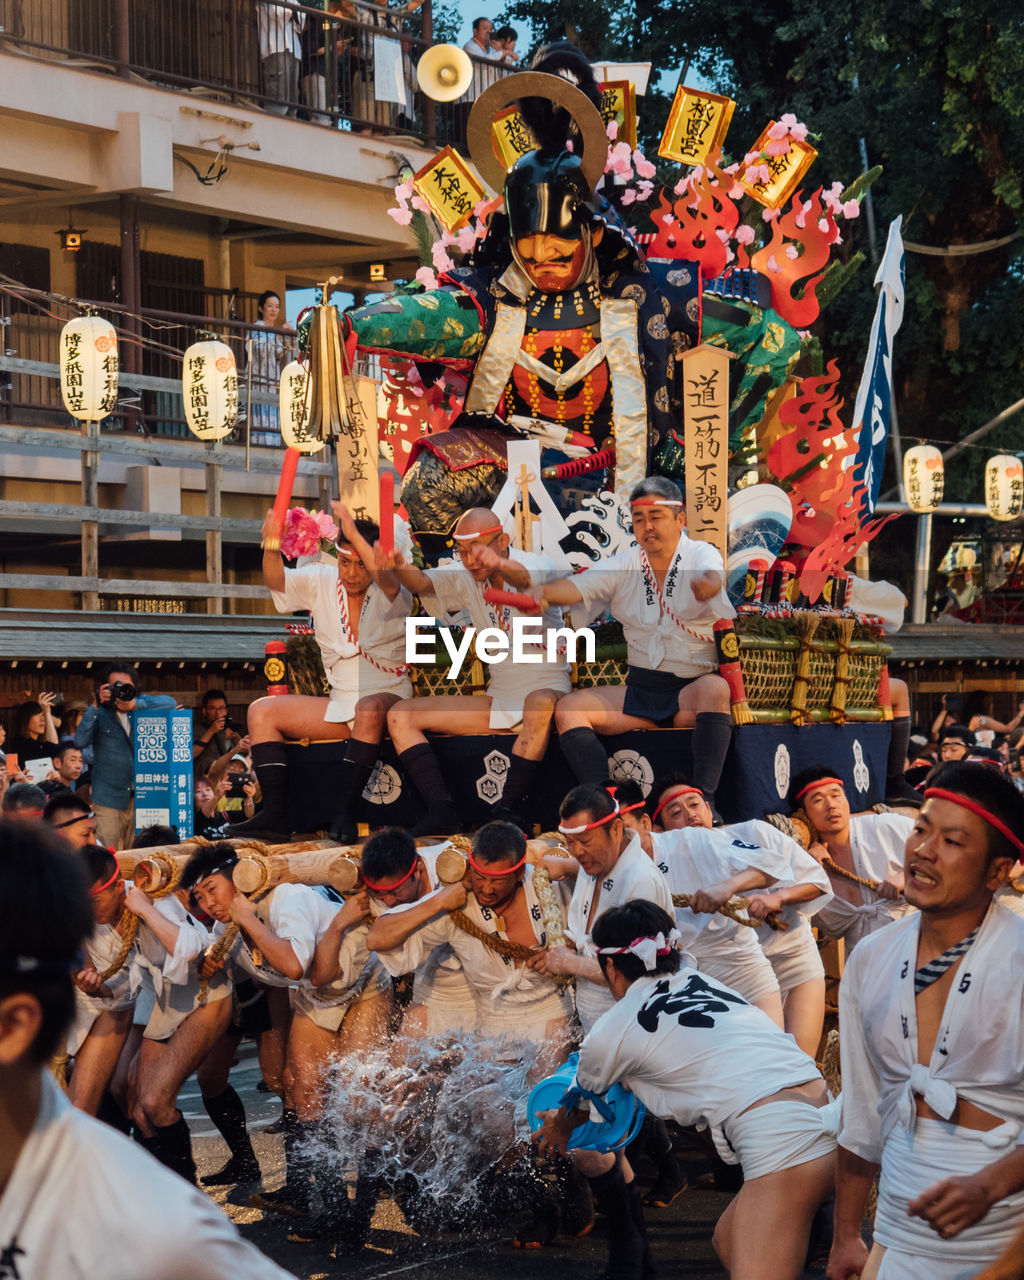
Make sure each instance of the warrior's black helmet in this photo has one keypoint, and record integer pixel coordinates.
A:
(547, 194)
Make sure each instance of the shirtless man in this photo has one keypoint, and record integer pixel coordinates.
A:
(519, 699)
(931, 1019)
(359, 619)
(870, 845)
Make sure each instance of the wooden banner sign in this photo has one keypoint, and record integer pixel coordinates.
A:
(448, 186)
(511, 136)
(706, 428)
(696, 126)
(358, 451)
(618, 103)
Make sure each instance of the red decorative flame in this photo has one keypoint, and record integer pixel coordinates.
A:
(798, 227)
(840, 545)
(415, 410)
(690, 228)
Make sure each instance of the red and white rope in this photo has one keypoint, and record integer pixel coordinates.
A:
(401, 670)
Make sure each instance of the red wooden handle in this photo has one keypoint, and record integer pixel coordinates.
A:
(387, 512)
(289, 467)
(514, 599)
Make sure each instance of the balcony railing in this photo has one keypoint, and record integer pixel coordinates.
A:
(352, 70)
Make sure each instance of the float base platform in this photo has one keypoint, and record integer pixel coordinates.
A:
(762, 760)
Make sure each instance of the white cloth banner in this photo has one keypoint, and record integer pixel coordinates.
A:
(388, 77)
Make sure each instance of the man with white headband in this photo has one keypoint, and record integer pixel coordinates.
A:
(863, 856)
(931, 1021)
(359, 622)
(801, 889)
(667, 592)
(693, 1050)
(519, 699)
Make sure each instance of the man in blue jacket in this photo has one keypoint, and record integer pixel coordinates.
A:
(110, 727)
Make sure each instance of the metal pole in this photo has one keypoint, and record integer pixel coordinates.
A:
(922, 565)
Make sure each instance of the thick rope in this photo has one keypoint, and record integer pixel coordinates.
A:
(501, 946)
(830, 865)
(733, 909)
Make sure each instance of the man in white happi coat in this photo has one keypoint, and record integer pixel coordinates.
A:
(868, 845)
(667, 592)
(931, 1022)
(395, 873)
(801, 889)
(520, 698)
(76, 1197)
(359, 622)
(692, 1049)
(710, 867)
(275, 941)
(515, 1000)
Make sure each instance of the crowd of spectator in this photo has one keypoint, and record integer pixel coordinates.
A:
(72, 764)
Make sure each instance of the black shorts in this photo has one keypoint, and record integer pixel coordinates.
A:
(654, 695)
(250, 1016)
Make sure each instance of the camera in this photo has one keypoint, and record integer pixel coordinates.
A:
(122, 691)
(238, 783)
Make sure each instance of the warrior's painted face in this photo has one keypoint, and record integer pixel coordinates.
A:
(553, 263)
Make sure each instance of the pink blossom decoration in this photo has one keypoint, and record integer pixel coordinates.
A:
(328, 529)
(301, 536)
(779, 131)
(851, 209)
(628, 196)
(442, 262)
(401, 215)
(777, 148)
(466, 239)
(612, 130)
(404, 190)
(769, 215)
(751, 156)
(744, 234)
(643, 166)
(758, 173)
(792, 251)
(644, 189)
(773, 265)
(426, 278)
(419, 203)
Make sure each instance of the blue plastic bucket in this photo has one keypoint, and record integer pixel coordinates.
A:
(621, 1113)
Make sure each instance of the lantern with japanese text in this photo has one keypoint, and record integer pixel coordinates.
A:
(294, 404)
(209, 386)
(923, 478)
(88, 368)
(1004, 486)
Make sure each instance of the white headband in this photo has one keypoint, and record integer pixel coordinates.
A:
(480, 533)
(589, 826)
(646, 950)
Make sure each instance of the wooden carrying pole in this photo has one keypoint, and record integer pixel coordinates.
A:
(150, 868)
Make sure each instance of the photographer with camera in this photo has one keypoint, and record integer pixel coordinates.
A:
(109, 727)
(237, 801)
(215, 734)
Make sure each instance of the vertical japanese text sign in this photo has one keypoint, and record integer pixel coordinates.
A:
(358, 449)
(163, 770)
(706, 427)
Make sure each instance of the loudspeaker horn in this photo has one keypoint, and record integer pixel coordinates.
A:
(445, 72)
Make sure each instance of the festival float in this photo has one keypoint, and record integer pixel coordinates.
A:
(678, 358)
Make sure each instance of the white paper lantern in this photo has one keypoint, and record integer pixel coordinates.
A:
(923, 478)
(294, 405)
(1004, 486)
(88, 368)
(209, 386)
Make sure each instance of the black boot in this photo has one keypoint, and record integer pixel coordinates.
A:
(442, 818)
(626, 1239)
(293, 1198)
(670, 1180)
(174, 1148)
(353, 1231)
(521, 775)
(270, 763)
(354, 775)
(636, 1209)
(711, 737)
(897, 789)
(228, 1114)
(584, 754)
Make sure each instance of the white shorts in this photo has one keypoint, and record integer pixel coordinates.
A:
(796, 961)
(508, 692)
(341, 703)
(329, 1015)
(526, 1021)
(176, 1002)
(779, 1135)
(747, 971)
(911, 1162)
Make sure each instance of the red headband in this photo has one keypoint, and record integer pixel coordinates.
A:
(972, 806)
(481, 533)
(590, 826)
(639, 804)
(673, 792)
(819, 782)
(484, 871)
(390, 888)
(656, 502)
(106, 883)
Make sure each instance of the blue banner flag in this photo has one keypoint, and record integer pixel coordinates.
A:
(163, 770)
(872, 412)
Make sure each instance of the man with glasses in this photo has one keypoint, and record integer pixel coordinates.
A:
(72, 817)
(519, 699)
